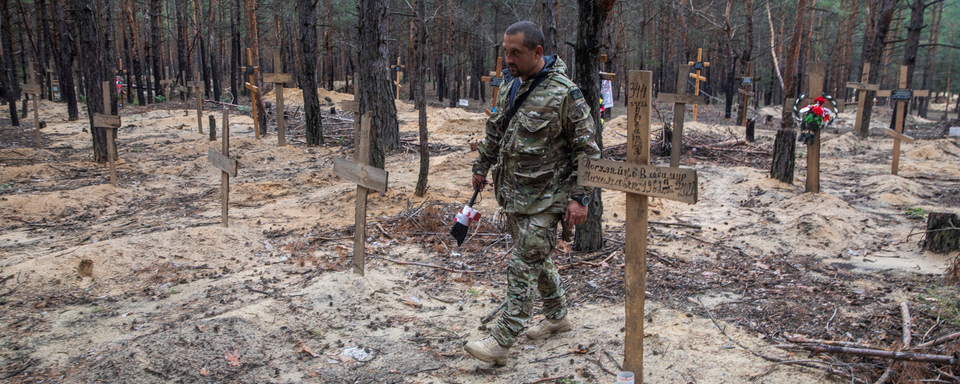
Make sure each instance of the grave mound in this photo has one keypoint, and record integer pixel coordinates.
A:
(895, 190)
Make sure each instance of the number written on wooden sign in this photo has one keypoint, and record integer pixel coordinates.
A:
(669, 183)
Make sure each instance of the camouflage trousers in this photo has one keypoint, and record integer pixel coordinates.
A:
(530, 270)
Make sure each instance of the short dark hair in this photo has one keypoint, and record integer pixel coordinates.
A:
(532, 35)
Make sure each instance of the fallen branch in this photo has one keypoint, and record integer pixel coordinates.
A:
(430, 266)
(675, 224)
(906, 356)
(939, 341)
(489, 316)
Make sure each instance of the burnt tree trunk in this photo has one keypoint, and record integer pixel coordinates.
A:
(181, 47)
(943, 234)
(417, 72)
(93, 65)
(64, 55)
(234, 51)
(879, 17)
(376, 94)
(307, 10)
(11, 85)
(155, 52)
(592, 17)
(785, 146)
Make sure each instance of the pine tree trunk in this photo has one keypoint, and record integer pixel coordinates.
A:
(92, 63)
(308, 79)
(11, 83)
(785, 149)
(235, 62)
(257, 97)
(592, 17)
(785, 145)
(65, 61)
(417, 72)
(879, 17)
(548, 22)
(376, 94)
(156, 54)
(43, 42)
(182, 65)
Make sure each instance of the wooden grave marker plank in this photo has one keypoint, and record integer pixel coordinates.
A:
(108, 122)
(167, 83)
(639, 180)
(354, 106)
(198, 85)
(746, 91)
(699, 65)
(680, 101)
(278, 78)
(251, 70)
(361, 173)
(610, 76)
(227, 165)
(398, 68)
(33, 89)
(902, 96)
(495, 80)
(815, 73)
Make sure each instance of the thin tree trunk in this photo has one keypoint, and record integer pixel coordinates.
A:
(308, 80)
(156, 53)
(257, 97)
(785, 144)
(879, 17)
(65, 61)
(92, 63)
(376, 95)
(234, 51)
(11, 83)
(182, 65)
(548, 12)
(417, 73)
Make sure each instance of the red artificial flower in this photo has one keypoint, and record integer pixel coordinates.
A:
(820, 100)
(817, 110)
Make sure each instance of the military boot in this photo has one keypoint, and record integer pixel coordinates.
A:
(547, 327)
(488, 350)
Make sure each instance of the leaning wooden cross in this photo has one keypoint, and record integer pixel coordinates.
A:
(680, 101)
(746, 91)
(33, 89)
(197, 85)
(495, 79)
(251, 71)
(227, 166)
(398, 69)
(638, 179)
(815, 73)
(902, 96)
(863, 86)
(367, 177)
(278, 78)
(699, 66)
(108, 122)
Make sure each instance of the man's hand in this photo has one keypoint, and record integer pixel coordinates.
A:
(576, 213)
(479, 181)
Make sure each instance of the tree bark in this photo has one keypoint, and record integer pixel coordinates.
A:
(182, 66)
(93, 63)
(942, 233)
(156, 54)
(64, 55)
(785, 145)
(548, 12)
(376, 95)
(256, 97)
(417, 73)
(11, 86)
(592, 18)
(308, 79)
(879, 17)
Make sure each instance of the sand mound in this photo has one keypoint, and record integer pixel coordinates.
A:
(254, 192)
(895, 190)
(845, 144)
(821, 232)
(712, 129)
(615, 131)
(938, 150)
(776, 111)
(455, 121)
(294, 96)
(912, 119)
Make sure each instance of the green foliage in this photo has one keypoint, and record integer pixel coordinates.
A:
(473, 292)
(943, 301)
(916, 213)
(83, 99)
(317, 332)
(243, 108)
(6, 187)
(174, 291)
(159, 98)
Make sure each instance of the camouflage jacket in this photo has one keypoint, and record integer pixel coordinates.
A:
(534, 157)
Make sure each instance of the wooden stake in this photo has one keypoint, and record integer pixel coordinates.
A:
(198, 86)
(108, 122)
(699, 65)
(398, 68)
(902, 96)
(33, 89)
(278, 78)
(746, 91)
(251, 70)
(224, 176)
(816, 73)
(863, 86)
(680, 100)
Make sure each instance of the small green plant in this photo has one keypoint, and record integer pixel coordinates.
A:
(473, 292)
(83, 99)
(342, 333)
(6, 187)
(174, 291)
(159, 98)
(341, 140)
(95, 310)
(317, 332)
(916, 213)
(944, 300)
(243, 108)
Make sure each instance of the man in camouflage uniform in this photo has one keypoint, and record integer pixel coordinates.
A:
(538, 130)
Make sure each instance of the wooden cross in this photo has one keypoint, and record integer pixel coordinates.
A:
(251, 70)
(901, 95)
(863, 86)
(167, 83)
(278, 78)
(398, 68)
(815, 73)
(120, 73)
(33, 89)
(638, 179)
(354, 106)
(746, 91)
(680, 101)
(606, 75)
(197, 85)
(495, 79)
(226, 164)
(367, 177)
(108, 122)
(698, 65)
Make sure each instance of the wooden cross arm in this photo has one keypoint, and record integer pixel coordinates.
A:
(898, 135)
(867, 87)
(680, 99)
(223, 163)
(366, 176)
(101, 120)
(745, 92)
(350, 106)
(705, 63)
(251, 87)
(608, 76)
(485, 79)
(698, 77)
(195, 84)
(277, 78)
(678, 184)
(32, 89)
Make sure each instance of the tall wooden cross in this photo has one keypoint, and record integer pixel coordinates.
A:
(367, 178)
(398, 68)
(278, 78)
(227, 166)
(680, 101)
(746, 91)
(902, 96)
(863, 86)
(354, 106)
(606, 75)
(495, 79)
(816, 72)
(197, 84)
(699, 65)
(167, 83)
(639, 180)
(33, 89)
(109, 123)
(251, 71)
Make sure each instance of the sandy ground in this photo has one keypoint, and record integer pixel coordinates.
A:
(141, 283)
